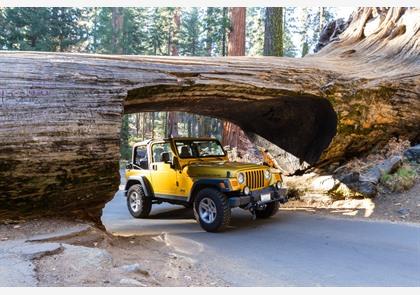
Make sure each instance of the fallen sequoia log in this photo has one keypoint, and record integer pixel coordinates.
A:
(61, 113)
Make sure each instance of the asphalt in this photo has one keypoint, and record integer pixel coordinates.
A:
(290, 249)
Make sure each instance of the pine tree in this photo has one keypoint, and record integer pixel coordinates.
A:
(191, 41)
(43, 28)
(215, 24)
(310, 22)
(255, 31)
(66, 29)
(160, 29)
(289, 48)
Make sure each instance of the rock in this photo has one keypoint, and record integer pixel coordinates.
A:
(404, 211)
(323, 183)
(413, 154)
(62, 234)
(374, 174)
(133, 268)
(131, 282)
(366, 183)
(350, 177)
(17, 272)
(37, 250)
(16, 266)
(366, 188)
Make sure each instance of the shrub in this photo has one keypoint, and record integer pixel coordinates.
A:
(403, 179)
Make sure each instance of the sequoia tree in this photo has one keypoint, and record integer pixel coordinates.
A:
(236, 46)
(60, 118)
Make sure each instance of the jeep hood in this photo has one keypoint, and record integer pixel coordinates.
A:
(219, 168)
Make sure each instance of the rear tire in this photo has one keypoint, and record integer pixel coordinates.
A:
(138, 204)
(211, 210)
(269, 210)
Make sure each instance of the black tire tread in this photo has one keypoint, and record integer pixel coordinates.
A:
(146, 202)
(220, 198)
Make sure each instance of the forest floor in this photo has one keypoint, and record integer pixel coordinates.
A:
(49, 252)
(391, 206)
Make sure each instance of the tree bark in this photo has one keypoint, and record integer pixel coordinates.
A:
(236, 37)
(117, 29)
(60, 114)
(236, 47)
(273, 34)
(177, 26)
(224, 49)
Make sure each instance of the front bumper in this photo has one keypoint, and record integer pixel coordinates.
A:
(255, 197)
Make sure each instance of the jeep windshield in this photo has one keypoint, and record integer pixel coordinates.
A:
(199, 148)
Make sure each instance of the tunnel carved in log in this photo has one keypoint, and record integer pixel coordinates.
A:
(60, 115)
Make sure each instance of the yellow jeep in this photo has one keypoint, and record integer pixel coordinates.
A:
(196, 172)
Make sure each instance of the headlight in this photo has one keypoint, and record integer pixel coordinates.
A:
(241, 178)
(278, 185)
(267, 174)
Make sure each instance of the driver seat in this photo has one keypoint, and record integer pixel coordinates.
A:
(166, 157)
(185, 152)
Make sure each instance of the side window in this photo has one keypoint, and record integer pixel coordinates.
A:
(141, 158)
(161, 152)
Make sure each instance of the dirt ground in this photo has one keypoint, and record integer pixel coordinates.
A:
(91, 257)
(394, 207)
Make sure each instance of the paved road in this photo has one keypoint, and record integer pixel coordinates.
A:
(291, 249)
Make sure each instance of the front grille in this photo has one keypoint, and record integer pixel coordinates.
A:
(255, 179)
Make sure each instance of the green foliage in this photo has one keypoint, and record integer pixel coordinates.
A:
(132, 37)
(215, 25)
(255, 31)
(289, 48)
(42, 28)
(151, 30)
(403, 179)
(191, 41)
(310, 21)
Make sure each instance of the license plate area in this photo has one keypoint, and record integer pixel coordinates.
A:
(265, 197)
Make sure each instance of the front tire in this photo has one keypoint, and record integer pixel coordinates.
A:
(211, 210)
(269, 210)
(138, 204)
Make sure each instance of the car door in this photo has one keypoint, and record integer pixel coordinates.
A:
(163, 175)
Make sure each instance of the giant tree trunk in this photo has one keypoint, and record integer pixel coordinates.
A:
(273, 33)
(236, 36)
(231, 132)
(60, 115)
(117, 17)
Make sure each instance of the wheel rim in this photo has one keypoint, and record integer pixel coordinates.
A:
(135, 201)
(207, 210)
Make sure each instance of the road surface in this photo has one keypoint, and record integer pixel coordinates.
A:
(290, 249)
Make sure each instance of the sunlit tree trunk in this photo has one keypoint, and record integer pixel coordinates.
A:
(273, 35)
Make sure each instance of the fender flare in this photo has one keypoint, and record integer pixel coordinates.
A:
(215, 183)
(143, 181)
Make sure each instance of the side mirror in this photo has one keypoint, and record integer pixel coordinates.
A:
(129, 166)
